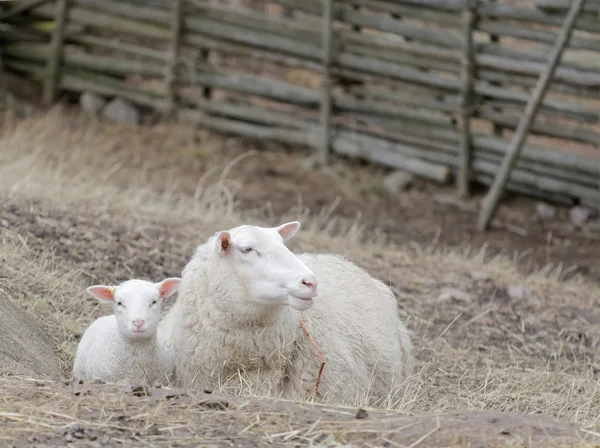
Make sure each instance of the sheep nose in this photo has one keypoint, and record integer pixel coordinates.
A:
(311, 282)
(138, 323)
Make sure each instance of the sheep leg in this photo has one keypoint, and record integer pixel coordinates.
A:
(314, 343)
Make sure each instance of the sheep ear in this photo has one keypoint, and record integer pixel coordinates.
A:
(168, 286)
(102, 293)
(224, 242)
(288, 230)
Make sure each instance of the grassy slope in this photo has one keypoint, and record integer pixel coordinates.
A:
(80, 208)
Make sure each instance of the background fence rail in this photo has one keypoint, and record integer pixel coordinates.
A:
(434, 87)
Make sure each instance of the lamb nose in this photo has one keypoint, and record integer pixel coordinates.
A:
(138, 323)
(310, 282)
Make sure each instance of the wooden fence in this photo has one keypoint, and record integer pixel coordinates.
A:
(434, 87)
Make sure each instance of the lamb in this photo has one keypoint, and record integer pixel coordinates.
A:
(126, 347)
(241, 300)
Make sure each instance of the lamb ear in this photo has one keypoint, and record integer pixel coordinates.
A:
(288, 230)
(102, 292)
(168, 286)
(224, 242)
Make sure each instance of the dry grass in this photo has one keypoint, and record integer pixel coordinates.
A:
(89, 414)
(80, 207)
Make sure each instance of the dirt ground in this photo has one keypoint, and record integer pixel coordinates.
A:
(83, 202)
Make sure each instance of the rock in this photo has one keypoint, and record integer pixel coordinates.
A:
(479, 276)
(121, 111)
(579, 215)
(517, 292)
(310, 163)
(91, 103)
(25, 350)
(397, 181)
(453, 293)
(94, 445)
(545, 211)
(361, 414)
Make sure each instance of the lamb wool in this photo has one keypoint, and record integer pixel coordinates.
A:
(127, 347)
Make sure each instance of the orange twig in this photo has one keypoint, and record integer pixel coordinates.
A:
(314, 343)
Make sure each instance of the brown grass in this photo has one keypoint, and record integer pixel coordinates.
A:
(81, 207)
(138, 416)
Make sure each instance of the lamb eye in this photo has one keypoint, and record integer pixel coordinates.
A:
(154, 302)
(246, 250)
(119, 303)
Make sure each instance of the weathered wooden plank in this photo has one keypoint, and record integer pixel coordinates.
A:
(55, 53)
(467, 106)
(326, 80)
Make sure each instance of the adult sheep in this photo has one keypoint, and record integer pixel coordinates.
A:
(238, 321)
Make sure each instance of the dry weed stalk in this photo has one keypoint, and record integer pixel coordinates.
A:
(314, 343)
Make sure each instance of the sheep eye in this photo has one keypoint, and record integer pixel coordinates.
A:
(154, 302)
(246, 250)
(119, 303)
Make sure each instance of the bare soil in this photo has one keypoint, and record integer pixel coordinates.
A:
(83, 202)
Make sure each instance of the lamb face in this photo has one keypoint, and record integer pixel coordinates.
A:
(137, 304)
(267, 270)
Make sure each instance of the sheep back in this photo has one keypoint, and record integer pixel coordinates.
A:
(356, 325)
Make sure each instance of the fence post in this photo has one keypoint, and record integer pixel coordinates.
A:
(463, 179)
(490, 202)
(327, 38)
(51, 79)
(171, 74)
(495, 39)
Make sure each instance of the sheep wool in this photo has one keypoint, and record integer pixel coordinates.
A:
(125, 347)
(238, 314)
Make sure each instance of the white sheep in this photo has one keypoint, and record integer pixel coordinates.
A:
(126, 347)
(239, 309)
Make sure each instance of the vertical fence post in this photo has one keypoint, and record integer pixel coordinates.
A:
(326, 82)
(205, 56)
(490, 202)
(495, 39)
(463, 179)
(171, 74)
(51, 79)
(356, 28)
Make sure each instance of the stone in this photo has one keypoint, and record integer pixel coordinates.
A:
(361, 414)
(517, 292)
(545, 211)
(91, 103)
(479, 276)
(579, 215)
(397, 181)
(310, 163)
(121, 111)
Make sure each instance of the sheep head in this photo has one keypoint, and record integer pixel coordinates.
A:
(137, 304)
(270, 273)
